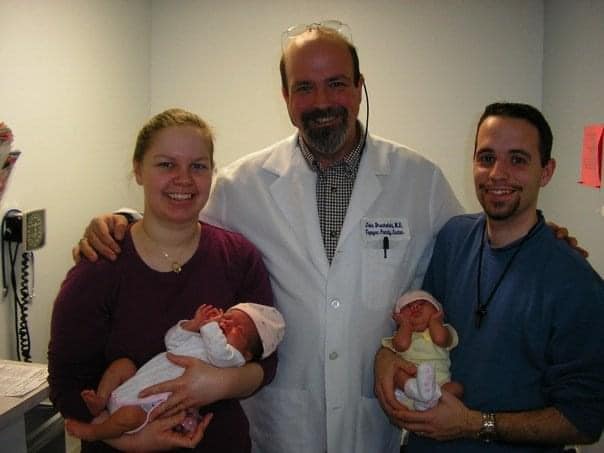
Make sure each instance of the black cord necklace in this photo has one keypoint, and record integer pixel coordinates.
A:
(481, 307)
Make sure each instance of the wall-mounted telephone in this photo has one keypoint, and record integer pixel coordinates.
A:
(21, 233)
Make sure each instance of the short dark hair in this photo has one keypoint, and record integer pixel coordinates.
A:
(524, 112)
(356, 71)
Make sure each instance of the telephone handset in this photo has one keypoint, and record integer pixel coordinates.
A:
(25, 233)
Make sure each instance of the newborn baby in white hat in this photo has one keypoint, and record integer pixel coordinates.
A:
(245, 332)
(423, 339)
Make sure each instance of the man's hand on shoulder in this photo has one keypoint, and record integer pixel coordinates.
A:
(101, 237)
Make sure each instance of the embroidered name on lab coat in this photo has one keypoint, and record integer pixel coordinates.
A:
(374, 230)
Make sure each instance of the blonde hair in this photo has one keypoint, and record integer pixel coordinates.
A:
(169, 118)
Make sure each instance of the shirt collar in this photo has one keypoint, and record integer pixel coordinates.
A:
(532, 232)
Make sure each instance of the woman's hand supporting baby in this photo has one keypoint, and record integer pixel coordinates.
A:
(159, 435)
(202, 384)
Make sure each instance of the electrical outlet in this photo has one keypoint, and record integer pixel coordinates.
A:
(34, 229)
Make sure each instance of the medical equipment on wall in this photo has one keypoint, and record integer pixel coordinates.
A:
(21, 234)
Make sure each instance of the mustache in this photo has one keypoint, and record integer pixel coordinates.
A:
(491, 187)
(318, 114)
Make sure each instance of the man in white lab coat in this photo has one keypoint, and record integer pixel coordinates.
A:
(345, 222)
(337, 260)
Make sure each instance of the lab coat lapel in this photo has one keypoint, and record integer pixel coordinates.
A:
(294, 192)
(367, 187)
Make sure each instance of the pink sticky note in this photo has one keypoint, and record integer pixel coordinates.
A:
(591, 159)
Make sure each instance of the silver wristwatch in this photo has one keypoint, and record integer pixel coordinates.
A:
(488, 431)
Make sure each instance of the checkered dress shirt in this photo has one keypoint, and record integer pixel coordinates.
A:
(333, 191)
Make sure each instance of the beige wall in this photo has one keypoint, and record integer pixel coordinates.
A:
(572, 98)
(74, 87)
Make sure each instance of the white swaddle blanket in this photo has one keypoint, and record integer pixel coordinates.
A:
(209, 345)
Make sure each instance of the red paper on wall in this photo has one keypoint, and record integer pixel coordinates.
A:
(591, 158)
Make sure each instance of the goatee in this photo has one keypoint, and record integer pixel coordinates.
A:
(497, 213)
(325, 140)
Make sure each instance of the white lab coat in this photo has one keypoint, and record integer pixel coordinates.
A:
(322, 397)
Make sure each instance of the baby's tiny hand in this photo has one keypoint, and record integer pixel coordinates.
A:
(398, 318)
(208, 312)
(405, 323)
(438, 316)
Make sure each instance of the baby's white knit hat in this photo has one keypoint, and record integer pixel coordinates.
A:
(269, 323)
(412, 296)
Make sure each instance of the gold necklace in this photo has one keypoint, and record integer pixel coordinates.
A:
(174, 264)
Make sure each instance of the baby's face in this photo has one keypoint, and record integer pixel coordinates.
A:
(418, 313)
(239, 330)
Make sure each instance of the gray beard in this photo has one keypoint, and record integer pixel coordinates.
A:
(325, 140)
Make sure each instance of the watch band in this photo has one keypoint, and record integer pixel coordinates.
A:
(488, 431)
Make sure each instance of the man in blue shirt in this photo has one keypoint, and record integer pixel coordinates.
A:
(529, 311)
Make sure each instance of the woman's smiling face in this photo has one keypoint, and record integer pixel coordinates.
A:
(176, 173)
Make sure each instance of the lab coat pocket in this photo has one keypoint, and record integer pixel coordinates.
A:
(280, 420)
(383, 270)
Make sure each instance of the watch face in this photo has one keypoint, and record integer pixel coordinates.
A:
(488, 431)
